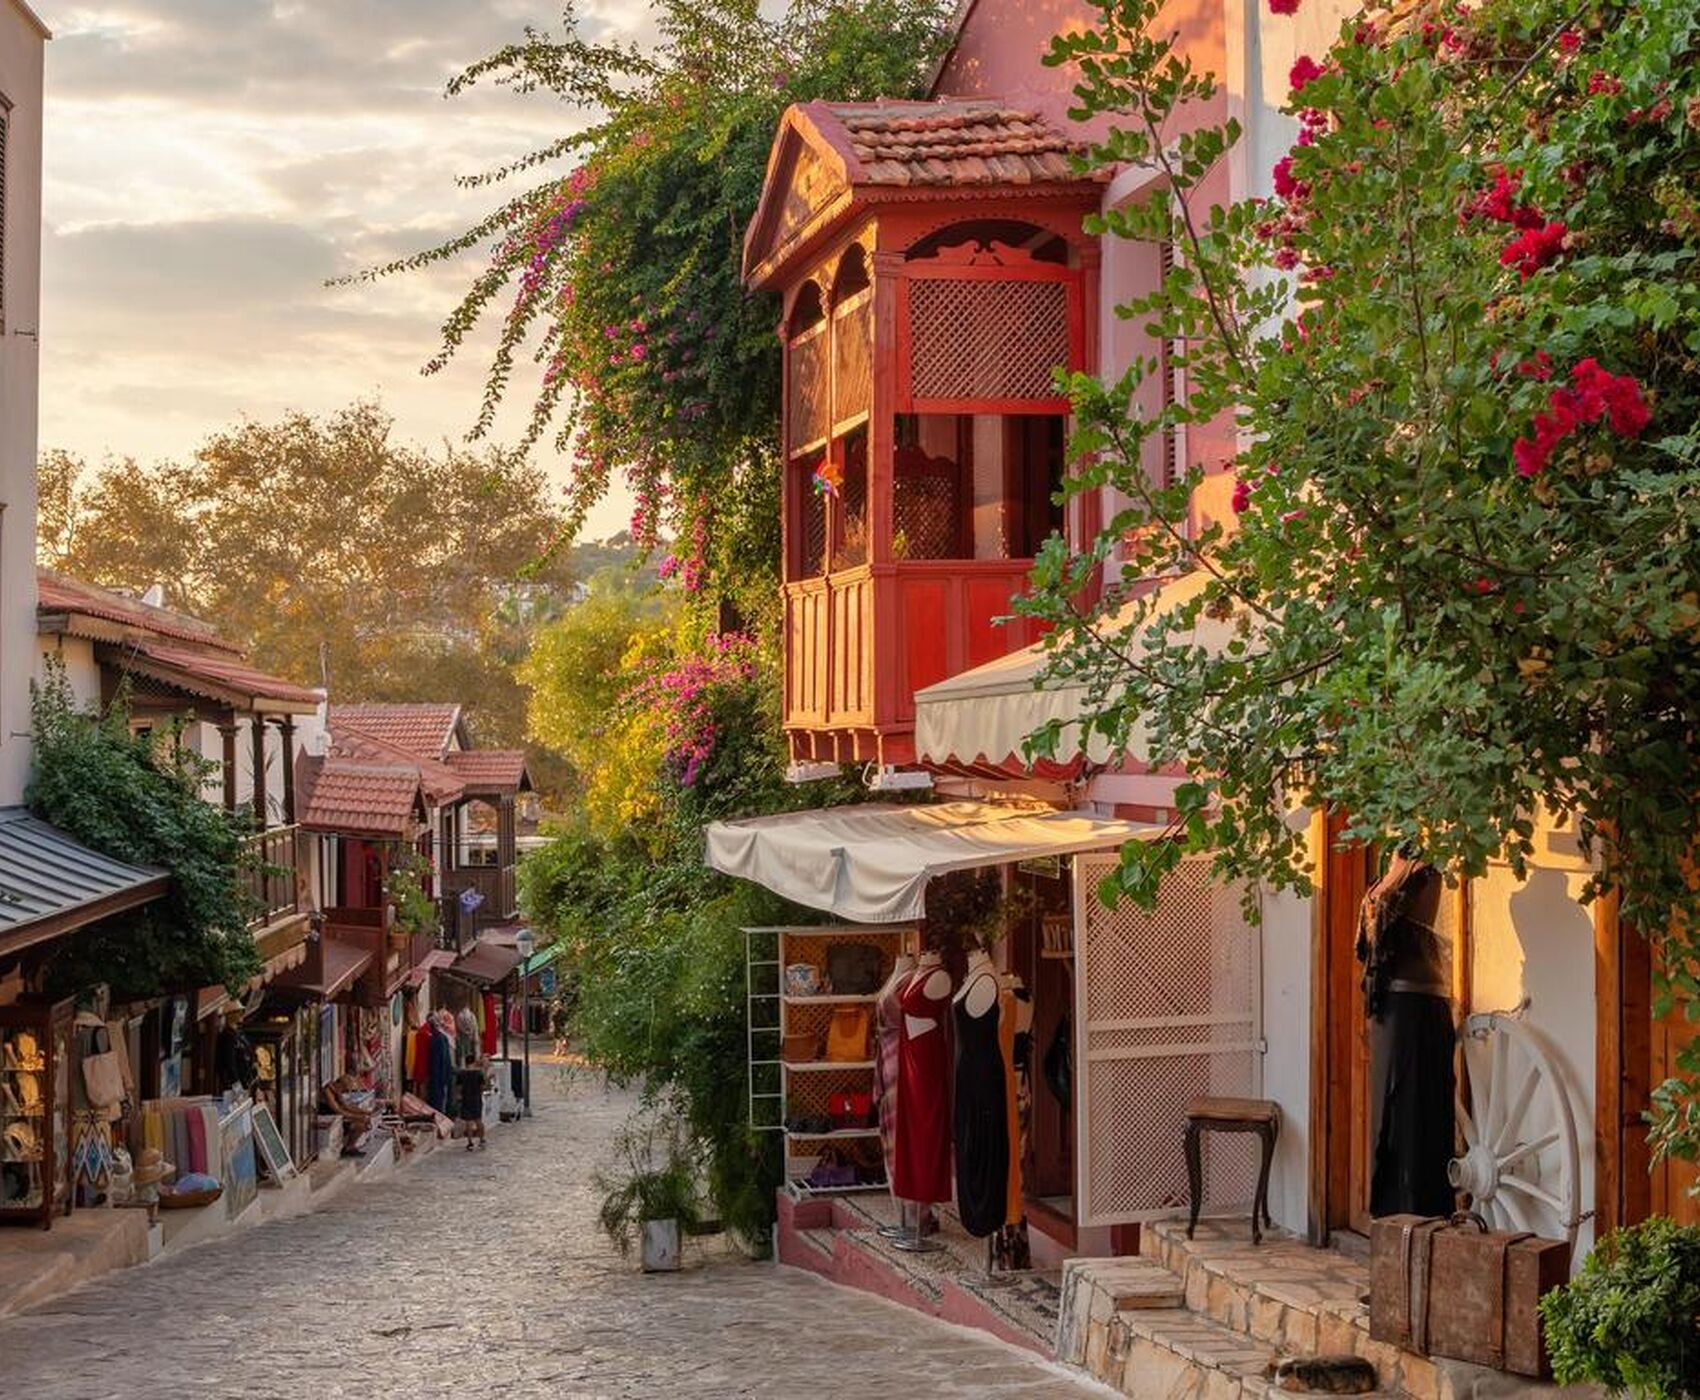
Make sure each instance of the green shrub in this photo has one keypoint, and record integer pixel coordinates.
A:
(1630, 1320)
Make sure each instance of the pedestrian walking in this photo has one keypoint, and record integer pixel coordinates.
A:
(466, 1035)
(469, 1110)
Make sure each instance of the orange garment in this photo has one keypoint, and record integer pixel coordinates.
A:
(1006, 1044)
(419, 1053)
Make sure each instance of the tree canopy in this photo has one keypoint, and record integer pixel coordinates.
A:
(335, 553)
(620, 278)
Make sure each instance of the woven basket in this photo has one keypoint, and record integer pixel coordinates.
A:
(188, 1200)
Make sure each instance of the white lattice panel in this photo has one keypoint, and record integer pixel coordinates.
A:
(1166, 1010)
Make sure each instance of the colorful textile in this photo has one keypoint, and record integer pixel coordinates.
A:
(489, 1023)
(196, 1159)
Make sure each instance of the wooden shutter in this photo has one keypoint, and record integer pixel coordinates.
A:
(1166, 1008)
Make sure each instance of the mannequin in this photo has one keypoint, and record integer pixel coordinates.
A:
(1408, 1000)
(981, 1113)
(921, 1149)
(888, 1039)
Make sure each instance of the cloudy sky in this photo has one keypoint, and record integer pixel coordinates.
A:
(210, 163)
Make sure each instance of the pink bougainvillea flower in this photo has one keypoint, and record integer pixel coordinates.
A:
(1283, 7)
(1534, 248)
(1592, 394)
(1287, 186)
(1600, 82)
(1569, 42)
(1304, 72)
(1242, 496)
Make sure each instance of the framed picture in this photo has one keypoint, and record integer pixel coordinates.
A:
(241, 1175)
(274, 1152)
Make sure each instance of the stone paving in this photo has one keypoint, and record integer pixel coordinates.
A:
(471, 1275)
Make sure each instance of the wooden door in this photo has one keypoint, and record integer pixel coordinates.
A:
(1673, 1180)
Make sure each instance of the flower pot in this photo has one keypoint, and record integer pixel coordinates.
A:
(660, 1251)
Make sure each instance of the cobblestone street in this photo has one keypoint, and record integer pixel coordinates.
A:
(485, 1275)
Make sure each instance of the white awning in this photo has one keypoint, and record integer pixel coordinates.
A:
(983, 717)
(870, 863)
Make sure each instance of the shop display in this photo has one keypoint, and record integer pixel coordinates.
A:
(888, 1037)
(1407, 996)
(980, 1117)
(827, 1100)
(35, 1111)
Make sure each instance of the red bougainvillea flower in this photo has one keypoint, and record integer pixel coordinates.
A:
(1283, 7)
(1287, 186)
(1603, 82)
(1534, 248)
(1593, 393)
(1304, 72)
(1242, 496)
(1569, 42)
(1538, 368)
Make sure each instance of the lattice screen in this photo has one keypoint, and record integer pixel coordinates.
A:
(806, 419)
(853, 362)
(811, 548)
(1167, 1009)
(925, 512)
(986, 340)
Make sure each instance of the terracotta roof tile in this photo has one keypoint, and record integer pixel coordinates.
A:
(490, 770)
(949, 143)
(57, 593)
(344, 794)
(440, 782)
(193, 670)
(423, 730)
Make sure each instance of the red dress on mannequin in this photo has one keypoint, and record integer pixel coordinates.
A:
(921, 1165)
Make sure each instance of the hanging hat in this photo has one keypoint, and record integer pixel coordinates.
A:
(151, 1166)
(20, 1141)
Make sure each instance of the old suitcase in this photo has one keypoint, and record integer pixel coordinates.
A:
(1454, 1288)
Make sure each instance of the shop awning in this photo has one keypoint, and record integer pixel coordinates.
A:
(51, 884)
(543, 957)
(487, 962)
(980, 719)
(328, 970)
(870, 863)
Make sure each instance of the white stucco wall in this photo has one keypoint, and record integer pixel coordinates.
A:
(1286, 1062)
(1534, 939)
(21, 51)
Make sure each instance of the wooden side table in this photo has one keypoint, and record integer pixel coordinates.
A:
(1213, 1115)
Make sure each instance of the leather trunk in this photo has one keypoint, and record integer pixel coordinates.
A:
(1451, 1288)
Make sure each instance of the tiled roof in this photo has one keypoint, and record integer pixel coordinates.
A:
(490, 770)
(344, 794)
(440, 782)
(948, 143)
(423, 730)
(212, 674)
(50, 883)
(55, 593)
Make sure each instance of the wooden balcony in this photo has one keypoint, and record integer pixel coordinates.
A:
(498, 886)
(860, 642)
(271, 877)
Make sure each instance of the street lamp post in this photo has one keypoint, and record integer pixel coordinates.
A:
(526, 944)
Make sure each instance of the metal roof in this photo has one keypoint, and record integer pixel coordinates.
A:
(51, 884)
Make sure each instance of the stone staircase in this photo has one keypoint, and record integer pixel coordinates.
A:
(1204, 1320)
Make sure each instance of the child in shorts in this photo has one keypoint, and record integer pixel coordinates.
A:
(469, 1105)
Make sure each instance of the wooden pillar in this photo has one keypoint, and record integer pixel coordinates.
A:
(891, 342)
(286, 732)
(1623, 997)
(227, 732)
(506, 835)
(257, 730)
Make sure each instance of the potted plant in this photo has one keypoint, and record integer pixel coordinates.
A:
(1630, 1319)
(411, 909)
(653, 1200)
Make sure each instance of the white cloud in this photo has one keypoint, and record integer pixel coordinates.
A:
(210, 163)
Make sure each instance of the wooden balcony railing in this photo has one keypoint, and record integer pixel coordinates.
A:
(270, 876)
(495, 882)
(860, 642)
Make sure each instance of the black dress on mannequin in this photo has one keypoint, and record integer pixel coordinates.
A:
(981, 1126)
(1411, 1038)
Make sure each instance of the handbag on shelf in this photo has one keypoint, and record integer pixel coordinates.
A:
(847, 1035)
(800, 1047)
(853, 969)
(831, 1170)
(851, 1108)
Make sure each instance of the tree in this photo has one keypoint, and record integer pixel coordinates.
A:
(335, 554)
(622, 277)
(138, 799)
(1460, 351)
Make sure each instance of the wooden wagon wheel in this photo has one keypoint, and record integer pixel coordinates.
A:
(1520, 1166)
